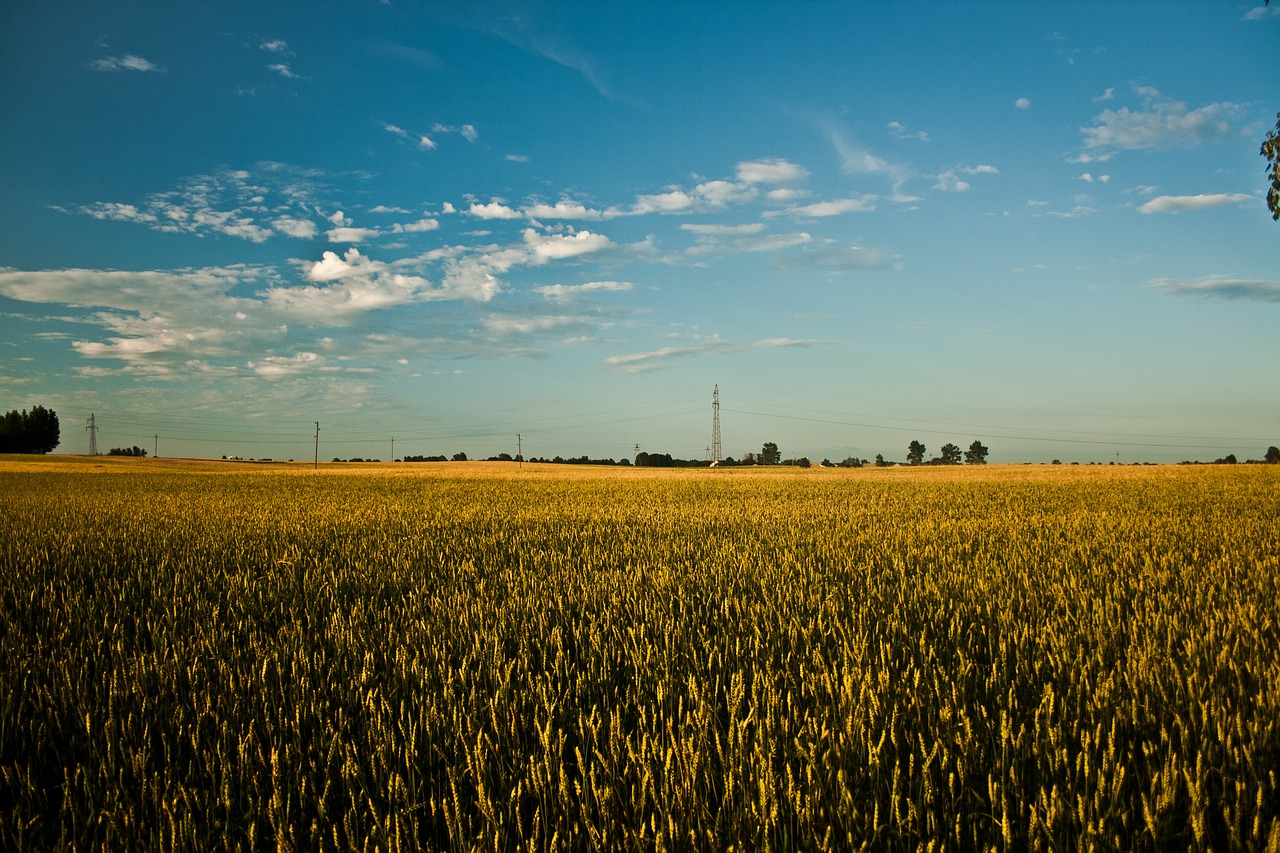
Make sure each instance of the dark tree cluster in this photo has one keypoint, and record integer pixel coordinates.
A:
(36, 431)
(950, 454)
(127, 451)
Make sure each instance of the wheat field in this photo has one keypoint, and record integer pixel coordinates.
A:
(480, 657)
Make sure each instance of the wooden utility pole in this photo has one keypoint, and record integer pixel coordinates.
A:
(317, 461)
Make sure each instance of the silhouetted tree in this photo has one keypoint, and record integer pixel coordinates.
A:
(133, 451)
(950, 454)
(1273, 455)
(976, 454)
(769, 454)
(36, 431)
(1271, 151)
(915, 452)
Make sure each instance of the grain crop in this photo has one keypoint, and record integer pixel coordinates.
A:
(481, 657)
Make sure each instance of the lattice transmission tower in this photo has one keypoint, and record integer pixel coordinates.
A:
(716, 455)
(93, 434)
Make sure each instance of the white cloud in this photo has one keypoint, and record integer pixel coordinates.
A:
(1161, 123)
(301, 228)
(1179, 203)
(560, 246)
(128, 62)
(1023, 103)
(284, 71)
(230, 202)
(836, 259)
(899, 130)
(396, 129)
(117, 211)
(566, 292)
(330, 267)
(948, 181)
(856, 160)
(517, 158)
(349, 234)
(505, 325)
(426, 143)
(382, 208)
(724, 230)
(774, 171)
(1220, 287)
(835, 207)
(425, 224)
(493, 210)
(643, 362)
(275, 46)
(1259, 13)
(563, 209)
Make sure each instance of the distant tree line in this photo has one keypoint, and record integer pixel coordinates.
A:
(127, 451)
(36, 431)
(1272, 457)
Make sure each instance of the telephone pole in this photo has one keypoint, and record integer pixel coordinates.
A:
(393, 449)
(519, 453)
(317, 461)
(155, 448)
(716, 454)
(93, 435)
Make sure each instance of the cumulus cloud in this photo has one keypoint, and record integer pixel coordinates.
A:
(425, 224)
(493, 210)
(303, 229)
(275, 46)
(774, 171)
(1179, 203)
(350, 234)
(1160, 123)
(1221, 287)
(128, 62)
(563, 209)
(549, 247)
(1023, 103)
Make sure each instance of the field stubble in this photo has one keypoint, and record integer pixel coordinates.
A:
(475, 657)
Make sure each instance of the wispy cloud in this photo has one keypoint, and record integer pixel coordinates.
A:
(950, 181)
(899, 131)
(283, 70)
(1179, 203)
(568, 292)
(1160, 123)
(248, 205)
(644, 362)
(128, 62)
(1221, 287)
(858, 160)
(823, 209)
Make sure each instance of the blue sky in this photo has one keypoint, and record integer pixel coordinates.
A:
(1039, 225)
